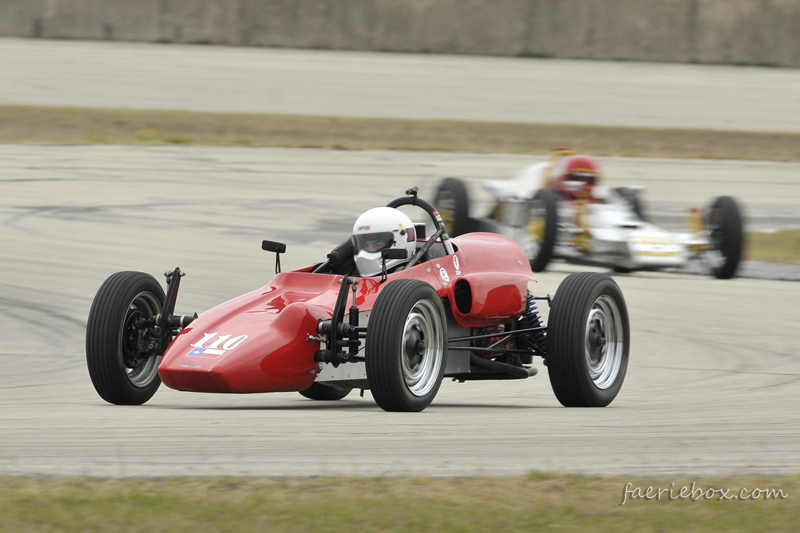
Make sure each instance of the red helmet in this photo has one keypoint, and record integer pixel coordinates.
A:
(576, 176)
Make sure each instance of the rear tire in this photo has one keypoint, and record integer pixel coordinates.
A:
(452, 202)
(324, 392)
(406, 346)
(542, 229)
(122, 370)
(588, 340)
(724, 225)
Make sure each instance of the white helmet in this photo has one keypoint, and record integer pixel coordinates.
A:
(377, 229)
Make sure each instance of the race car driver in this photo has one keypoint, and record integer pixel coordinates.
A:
(378, 229)
(576, 176)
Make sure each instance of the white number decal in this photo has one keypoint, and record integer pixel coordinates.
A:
(234, 342)
(206, 337)
(226, 341)
(219, 341)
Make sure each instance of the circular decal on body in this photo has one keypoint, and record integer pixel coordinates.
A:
(457, 265)
(443, 273)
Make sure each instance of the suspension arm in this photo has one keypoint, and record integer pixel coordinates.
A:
(503, 351)
(507, 334)
(336, 333)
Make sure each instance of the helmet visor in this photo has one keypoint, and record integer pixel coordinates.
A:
(584, 176)
(372, 242)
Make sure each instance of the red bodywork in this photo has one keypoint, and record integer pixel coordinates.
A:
(258, 341)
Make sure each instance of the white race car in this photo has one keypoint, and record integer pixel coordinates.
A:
(556, 209)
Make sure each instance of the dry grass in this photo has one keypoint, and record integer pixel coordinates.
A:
(781, 246)
(118, 126)
(527, 503)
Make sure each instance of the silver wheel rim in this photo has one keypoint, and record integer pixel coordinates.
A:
(422, 348)
(533, 243)
(141, 374)
(715, 258)
(604, 342)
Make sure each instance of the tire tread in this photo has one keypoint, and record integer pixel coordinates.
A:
(565, 337)
(105, 316)
(732, 222)
(457, 189)
(545, 252)
(386, 325)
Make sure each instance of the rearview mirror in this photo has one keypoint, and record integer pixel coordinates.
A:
(273, 246)
(278, 248)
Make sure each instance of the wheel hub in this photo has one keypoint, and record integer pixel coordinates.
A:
(414, 346)
(597, 340)
(604, 346)
(448, 216)
(717, 239)
(141, 364)
(132, 351)
(422, 348)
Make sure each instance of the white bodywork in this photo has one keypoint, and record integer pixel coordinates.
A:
(604, 231)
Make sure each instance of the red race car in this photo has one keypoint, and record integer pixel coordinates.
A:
(389, 310)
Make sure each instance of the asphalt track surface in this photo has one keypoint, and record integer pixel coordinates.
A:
(712, 386)
(364, 84)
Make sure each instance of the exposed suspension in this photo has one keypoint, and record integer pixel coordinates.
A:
(338, 335)
(532, 319)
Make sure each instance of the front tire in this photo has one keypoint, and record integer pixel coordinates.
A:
(542, 229)
(724, 225)
(406, 346)
(452, 202)
(325, 392)
(588, 340)
(123, 370)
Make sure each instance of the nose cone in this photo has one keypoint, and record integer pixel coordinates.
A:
(257, 349)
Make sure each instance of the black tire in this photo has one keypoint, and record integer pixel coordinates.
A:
(542, 229)
(452, 202)
(121, 374)
(724, 225)
(584, 370)
(325, 392)
(406, 346)
(635, 203)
